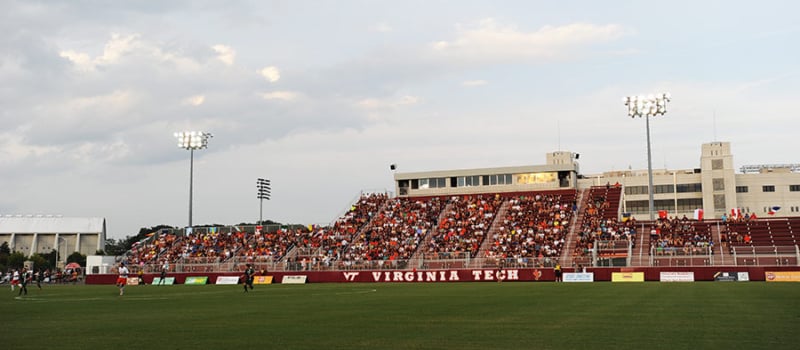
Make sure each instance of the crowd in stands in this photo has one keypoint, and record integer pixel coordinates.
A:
(394, 233)
(327, 245)
(272, 246)
(533, 227)
(735, 230)
(465, 224)
(597, 227)
(148, 250)
(673, 236)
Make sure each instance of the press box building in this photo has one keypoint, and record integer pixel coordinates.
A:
(715, 186)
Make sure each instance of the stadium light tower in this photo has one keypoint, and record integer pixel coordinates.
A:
(263, 193)
(192, 140)
(646, 107)
(58, 250)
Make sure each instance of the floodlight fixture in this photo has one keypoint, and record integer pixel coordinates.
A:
(648, 106)
(191, 141)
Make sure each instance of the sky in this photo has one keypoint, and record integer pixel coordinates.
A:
(321, 97)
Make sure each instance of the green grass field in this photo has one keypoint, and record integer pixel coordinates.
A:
(511, 315)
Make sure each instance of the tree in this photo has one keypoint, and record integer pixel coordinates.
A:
(16, 260)
(5, 251)
(116, 247)
(77, 258)
(40, 262)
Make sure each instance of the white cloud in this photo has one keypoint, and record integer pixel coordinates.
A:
(14, 149)
(89, 152)
(473, 83)
(194, 100)
(271, 73)
(382, 27)
(280, 95)
(490, 39)
(391, 102)
(81, 60)
(225, 54)
(116, 100)
(119, 46)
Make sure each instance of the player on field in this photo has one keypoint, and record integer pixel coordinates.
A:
(122, 280)
(249, 275)
(24, 277)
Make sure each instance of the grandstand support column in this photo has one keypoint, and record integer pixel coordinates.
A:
(646, 107)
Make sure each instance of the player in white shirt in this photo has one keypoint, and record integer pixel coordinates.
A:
(14, 279)
(122, 280)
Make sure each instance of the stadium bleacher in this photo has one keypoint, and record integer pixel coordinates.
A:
(529, 229)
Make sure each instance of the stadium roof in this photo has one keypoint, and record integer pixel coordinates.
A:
(44, 224)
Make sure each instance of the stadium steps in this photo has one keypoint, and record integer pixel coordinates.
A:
(575, 224)
(417, 259)
(488, 240)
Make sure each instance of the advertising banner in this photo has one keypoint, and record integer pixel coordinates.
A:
(677, 277)
(132, 281)
(725, 276)
(578, 277)
(782, 276)
(743, 276)
(167, 281)
(262, 280)
(627, 277)
(294, 279)
(227, 280)
(196, 280)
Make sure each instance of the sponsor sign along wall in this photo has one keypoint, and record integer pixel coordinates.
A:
(196, 280)
(262, 280)
(441, 275)
(578, 277)
(227, 280)
(782, 276)
(627, 277)
(726, 276)
(676, 276)
(294, 279)
(167, 281)
(743, 276)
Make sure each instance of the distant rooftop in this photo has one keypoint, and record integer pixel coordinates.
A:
(767, 168)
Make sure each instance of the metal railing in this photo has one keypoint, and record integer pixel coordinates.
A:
(766, 255)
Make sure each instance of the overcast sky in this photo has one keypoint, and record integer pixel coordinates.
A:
(322, 96)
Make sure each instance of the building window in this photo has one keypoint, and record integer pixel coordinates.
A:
(768, 188)
(499, 179)
(719, 184)
(467, 181)
(635, 190)
(794, 188)
(434, 182)
(741, 189)
(663, 189)
(716, 164)
(719, 202)
(689, 204)
(683, 188)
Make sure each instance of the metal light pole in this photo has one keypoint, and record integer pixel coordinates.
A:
(263, 193)
(58, 250)
(192, 140)
(648, 106)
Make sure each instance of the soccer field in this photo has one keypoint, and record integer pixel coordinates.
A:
(511, 315)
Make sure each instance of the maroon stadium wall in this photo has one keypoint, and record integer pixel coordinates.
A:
(468, 275)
